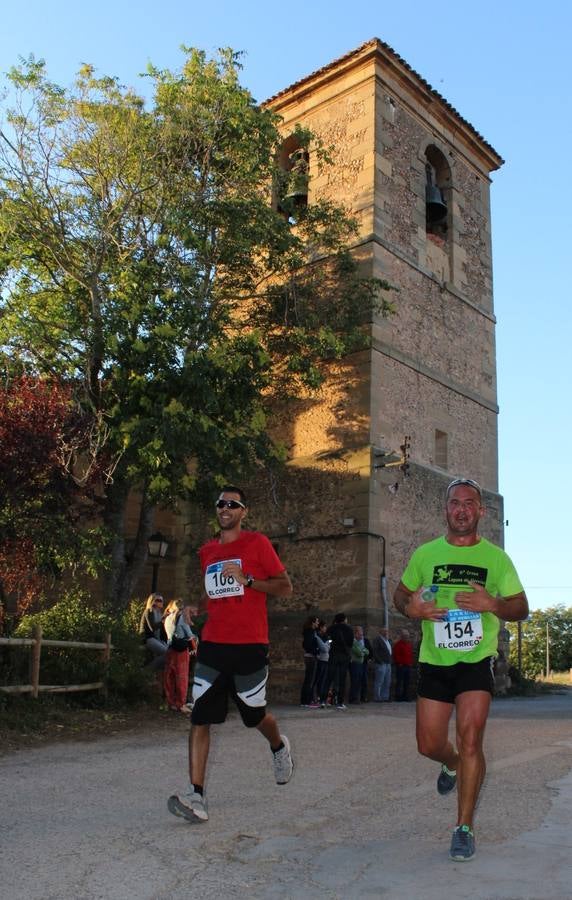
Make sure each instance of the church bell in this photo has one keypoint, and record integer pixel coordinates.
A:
(436, 208)
(299, 177)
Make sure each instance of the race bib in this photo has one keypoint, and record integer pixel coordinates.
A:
(218, 585)
(461, 630)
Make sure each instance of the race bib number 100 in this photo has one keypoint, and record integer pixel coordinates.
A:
(218, 585)
(461, 630)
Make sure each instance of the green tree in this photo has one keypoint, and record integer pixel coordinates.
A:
(144, 263)
(553, 625)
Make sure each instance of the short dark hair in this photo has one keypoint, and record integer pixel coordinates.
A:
(339, 617)
(232, 489)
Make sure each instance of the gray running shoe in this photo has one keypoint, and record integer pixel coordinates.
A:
(462, 844)
(282, 762)
(446, 782)
(191, 806)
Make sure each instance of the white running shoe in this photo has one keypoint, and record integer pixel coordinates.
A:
(282, 762)
(191, 806)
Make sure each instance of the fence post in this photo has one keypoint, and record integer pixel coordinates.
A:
(36, 653)
(106, 661)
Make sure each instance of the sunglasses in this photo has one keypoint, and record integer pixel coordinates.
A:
(468, 481)
(229, 504)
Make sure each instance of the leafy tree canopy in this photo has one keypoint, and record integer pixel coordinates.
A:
(552, 626)
(145, 263)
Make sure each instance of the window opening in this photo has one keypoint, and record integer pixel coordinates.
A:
(441, 449)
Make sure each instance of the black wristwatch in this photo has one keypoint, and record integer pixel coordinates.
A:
(249, 580)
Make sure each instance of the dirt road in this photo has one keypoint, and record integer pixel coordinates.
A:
(361, 817)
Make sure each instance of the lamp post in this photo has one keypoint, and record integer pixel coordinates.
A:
(157, 547)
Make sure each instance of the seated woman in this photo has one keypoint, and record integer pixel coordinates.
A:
(150, 629)
(182, 643)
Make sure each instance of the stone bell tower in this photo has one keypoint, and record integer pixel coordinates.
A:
(415, 173)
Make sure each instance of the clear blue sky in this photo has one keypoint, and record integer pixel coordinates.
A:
(505, 67)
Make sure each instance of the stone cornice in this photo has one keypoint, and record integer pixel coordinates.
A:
(383, 55)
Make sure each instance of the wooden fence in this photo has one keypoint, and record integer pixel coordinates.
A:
(36, 643)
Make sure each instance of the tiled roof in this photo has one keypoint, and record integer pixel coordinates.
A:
(389, 51)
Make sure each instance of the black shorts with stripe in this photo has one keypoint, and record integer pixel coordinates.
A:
(444, 683)
(239, 671)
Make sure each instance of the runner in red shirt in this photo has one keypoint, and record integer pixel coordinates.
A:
(240, 568)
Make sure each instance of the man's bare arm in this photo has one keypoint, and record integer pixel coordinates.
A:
(277, 586)
(509, 609)
(401, 598)
(411, 604)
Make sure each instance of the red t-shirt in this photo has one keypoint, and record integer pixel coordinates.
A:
(236, 613)
(403, 653)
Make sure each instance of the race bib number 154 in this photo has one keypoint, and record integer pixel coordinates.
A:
(461, 630)
(218, 585)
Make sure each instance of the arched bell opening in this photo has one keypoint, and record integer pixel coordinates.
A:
(437, 192)
(293, 178)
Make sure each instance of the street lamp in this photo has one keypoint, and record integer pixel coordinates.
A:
(157, 547)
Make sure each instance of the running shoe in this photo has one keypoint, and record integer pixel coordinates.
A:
(445, 781)
(282, 762)
(462, 844)
(191, 806)
(341, 706)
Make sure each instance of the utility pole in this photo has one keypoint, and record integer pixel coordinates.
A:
(547, 653)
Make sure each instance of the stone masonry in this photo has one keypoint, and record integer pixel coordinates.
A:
(339, 521)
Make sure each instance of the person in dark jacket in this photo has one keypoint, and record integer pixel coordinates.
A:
(310, 647)
(382, 655)
(342, 638)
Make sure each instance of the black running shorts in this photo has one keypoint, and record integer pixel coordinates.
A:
(444, 683)
(236, 670)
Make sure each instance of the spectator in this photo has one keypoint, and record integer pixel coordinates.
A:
(310, 647)
(151, 631)
(358, 666)
(365, 680)
(403, 658)
(322, 681)
(342, 638)
(382, 654)
(181, 643)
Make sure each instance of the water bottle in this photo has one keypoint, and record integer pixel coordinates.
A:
(430, 593)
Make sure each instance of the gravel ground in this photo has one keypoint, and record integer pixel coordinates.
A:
(360, 818)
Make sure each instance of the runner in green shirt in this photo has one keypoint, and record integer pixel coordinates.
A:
(460, 586)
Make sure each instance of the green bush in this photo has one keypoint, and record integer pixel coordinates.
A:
(72, 618)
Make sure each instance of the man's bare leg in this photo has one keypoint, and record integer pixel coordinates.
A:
(472, 708)
(199, 744)
(269, 728)
(433, 718)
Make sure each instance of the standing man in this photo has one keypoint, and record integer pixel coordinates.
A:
(240, 568)
(476, 586)
(381, 652)
(342, 637)
(403, 659)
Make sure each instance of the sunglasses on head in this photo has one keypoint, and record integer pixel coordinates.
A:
(229, 504)
(468, 481)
